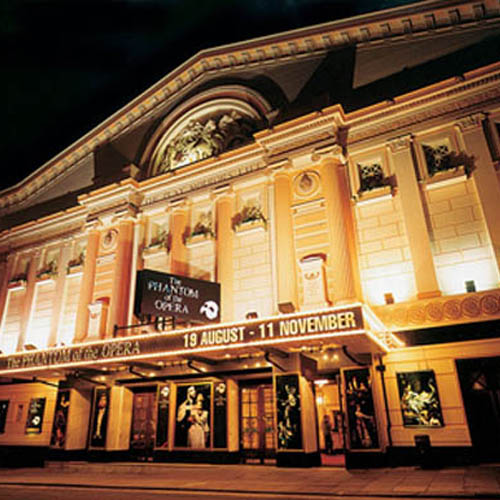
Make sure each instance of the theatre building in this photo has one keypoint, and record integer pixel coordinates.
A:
(286, 252)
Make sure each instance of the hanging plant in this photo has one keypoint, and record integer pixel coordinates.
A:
(249, 213)
(47, 272)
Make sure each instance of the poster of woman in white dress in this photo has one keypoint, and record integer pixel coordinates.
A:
(193, 416)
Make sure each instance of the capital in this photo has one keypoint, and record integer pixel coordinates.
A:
(401, 143)
(331, 152)
(470, 122)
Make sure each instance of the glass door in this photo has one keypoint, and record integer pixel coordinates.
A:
(257, 425)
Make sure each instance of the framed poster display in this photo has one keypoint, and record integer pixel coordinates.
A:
(288, 412)
(4, 408)
(193, 418)
(35, 416)
(100, 415)
(163, 408)
(220, 415)
(360, 409)
(60, 424)
(419, 399)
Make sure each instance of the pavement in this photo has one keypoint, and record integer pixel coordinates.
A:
(459, 482)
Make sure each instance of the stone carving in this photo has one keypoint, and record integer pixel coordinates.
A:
(203, 139)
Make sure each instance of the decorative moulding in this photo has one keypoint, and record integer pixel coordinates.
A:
(198, 240)
(251, 226)
(374, 195)
(445, 178)
(76, 269)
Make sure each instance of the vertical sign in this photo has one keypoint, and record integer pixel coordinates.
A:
(162, 416)
(100, 416)
(288, 412)
(220, 415)
(60, 424)
(35, 416)
(360, 409)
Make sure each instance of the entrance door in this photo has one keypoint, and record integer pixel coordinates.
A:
(331, 421)
(480, 383)
(257, 425)
(142, 433)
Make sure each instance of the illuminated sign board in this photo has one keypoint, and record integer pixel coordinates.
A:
(275, 330)
(168, 295)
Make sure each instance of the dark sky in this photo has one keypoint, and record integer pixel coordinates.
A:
(69, 64)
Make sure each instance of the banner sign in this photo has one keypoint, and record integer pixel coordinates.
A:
(269, 331)
(35, 416)
(168, 295)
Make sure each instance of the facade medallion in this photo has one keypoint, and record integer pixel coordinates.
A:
(470, 307)
(452, 309)
(490, 304)
(109, 240)
(306, 184)
(434, 312)
(416, 314)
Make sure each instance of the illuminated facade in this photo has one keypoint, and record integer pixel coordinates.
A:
(342, 184)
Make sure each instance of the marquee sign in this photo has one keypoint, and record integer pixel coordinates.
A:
(168, 295)
(269, 331)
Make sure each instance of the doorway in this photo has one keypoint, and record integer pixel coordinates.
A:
(143, 430)
(257, 422)
(480, 384)
(331, 421)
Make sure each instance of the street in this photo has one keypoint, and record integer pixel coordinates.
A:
(24, 492)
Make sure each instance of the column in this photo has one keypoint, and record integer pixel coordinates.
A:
(7, 267)
(62, 262)
(285, 248)
(224, 252)
(120, 293)
(178, 250)
(28, 298)
(343, 253)
(414, 217)
(484, 175)
(87, 286)
(137, 264)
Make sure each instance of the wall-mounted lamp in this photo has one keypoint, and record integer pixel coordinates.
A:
(286, 307)
(251, 315)
(470, 286)
(30, 347)
(389, 298)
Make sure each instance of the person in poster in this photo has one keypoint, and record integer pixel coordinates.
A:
(58, 437)
(288, 406)
(360, 410)
(100, 418)
(419, 399)
(192, 419)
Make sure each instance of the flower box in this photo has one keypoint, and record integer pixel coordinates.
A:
(250, 226)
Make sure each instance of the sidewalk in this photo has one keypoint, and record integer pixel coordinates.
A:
(472, 481)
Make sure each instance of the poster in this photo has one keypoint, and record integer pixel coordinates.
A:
(162, 416)
(220, 415)
(35, 416)
(419, 399)
(192, 416)
(59, 426)
(100, 416)
(288, 412)
(4, 408)
(361, 421)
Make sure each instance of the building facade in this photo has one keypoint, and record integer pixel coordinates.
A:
(341, 183)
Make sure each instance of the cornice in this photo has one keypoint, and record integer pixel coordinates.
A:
(457, 96)
(384, 26)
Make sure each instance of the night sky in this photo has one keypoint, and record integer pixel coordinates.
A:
(70, 64)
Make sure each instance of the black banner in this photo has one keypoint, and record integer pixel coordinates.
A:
(168, 295)
(220, 415)
(269, 331)
(4, 408)
(162, 416)
(35, 416)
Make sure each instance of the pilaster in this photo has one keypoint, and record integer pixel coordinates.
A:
(224, 205)
(87, 286)
(400, 150)
(342, 252)
(285, 248)
(178, 252)
(484, 175)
